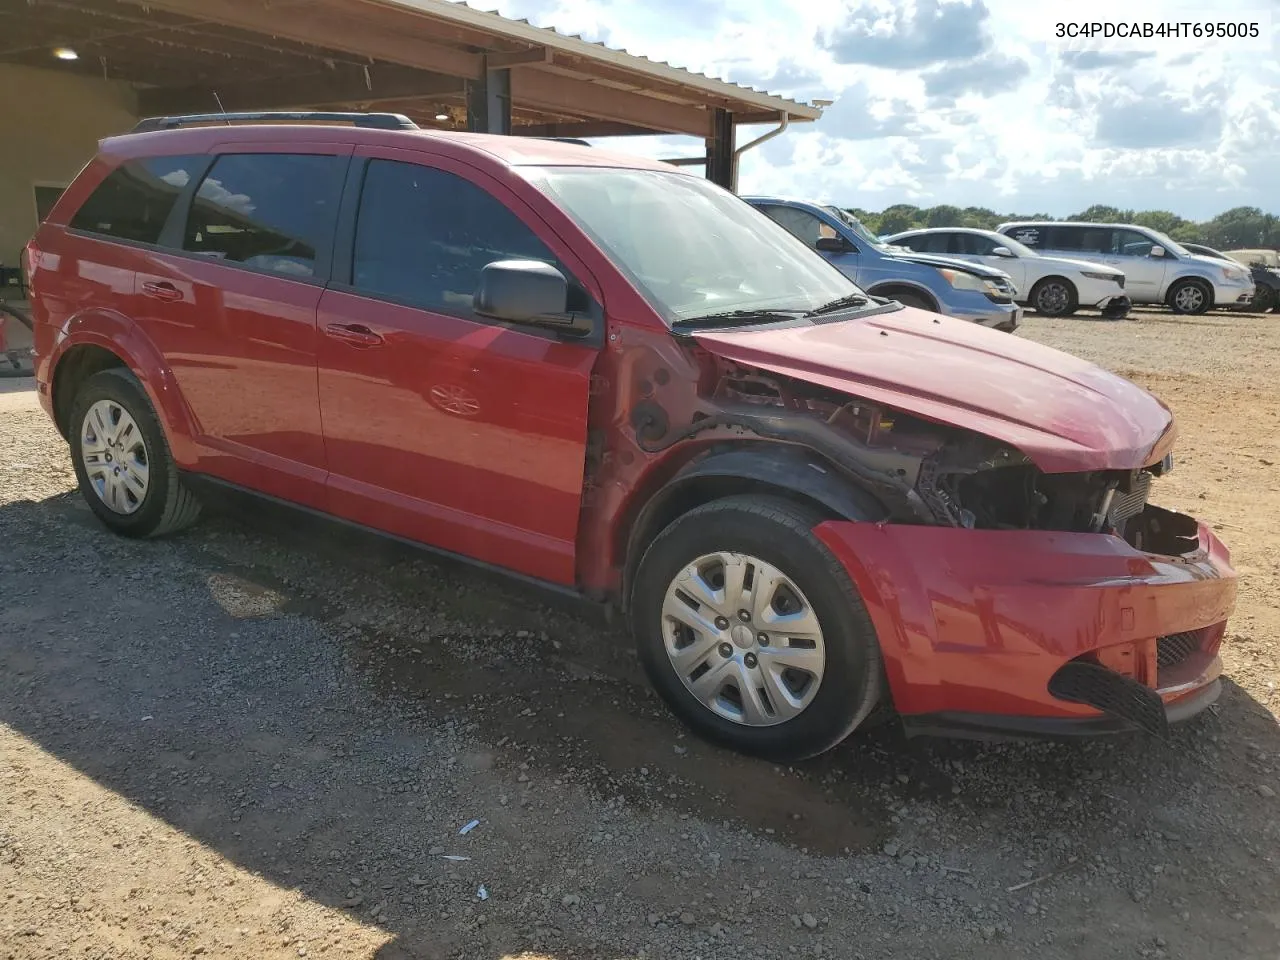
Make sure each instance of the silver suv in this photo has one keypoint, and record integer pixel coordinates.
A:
(1157, 268)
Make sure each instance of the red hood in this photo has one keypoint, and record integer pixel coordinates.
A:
(1065, 414)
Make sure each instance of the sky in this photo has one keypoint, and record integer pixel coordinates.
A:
(973, 102)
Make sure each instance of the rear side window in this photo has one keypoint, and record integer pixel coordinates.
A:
(268, 211)
(423, 236)
(933, 243)
(136, 198)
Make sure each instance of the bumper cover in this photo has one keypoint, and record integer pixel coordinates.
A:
(977, 622)
(1115, 308)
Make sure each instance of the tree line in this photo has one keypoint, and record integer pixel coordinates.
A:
(1237, 228)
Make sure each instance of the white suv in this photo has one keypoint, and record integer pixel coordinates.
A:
(1156, 268)
(1053, 286)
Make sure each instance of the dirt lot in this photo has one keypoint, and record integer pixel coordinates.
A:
(252, 742)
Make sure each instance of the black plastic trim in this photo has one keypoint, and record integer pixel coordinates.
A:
(990, 726)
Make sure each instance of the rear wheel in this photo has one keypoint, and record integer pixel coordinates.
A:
(127, 474)
(1054, 297)
(1190, 297)
(752, 632)
(1264, 299)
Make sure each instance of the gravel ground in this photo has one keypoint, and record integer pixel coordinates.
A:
(258, 741)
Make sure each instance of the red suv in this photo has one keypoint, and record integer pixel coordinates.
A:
(616, 378)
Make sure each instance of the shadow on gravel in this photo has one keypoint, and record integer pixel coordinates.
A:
(303, 703)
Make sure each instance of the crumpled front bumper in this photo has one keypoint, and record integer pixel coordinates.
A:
(974, 624)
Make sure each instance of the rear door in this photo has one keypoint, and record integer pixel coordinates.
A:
(233, 309)
(442, 426)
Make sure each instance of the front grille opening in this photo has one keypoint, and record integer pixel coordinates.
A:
(1175, 649)
(1080, 681)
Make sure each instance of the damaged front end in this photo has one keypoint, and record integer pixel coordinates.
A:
(1006, 598)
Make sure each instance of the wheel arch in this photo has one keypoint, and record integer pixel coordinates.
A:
(99, 340)
(793, 473)
(889, 287)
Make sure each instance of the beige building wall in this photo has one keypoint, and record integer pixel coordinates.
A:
(52, 124)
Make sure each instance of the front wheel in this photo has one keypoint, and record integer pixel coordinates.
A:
(127, 474)
(1190, 297)
(752, 632)
(1054, 297)
(913, 300)
(1264, 300)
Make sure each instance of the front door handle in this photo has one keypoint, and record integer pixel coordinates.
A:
(356, 334)
(161, 290)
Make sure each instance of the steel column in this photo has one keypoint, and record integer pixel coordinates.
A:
(720, 166)
(489, 102)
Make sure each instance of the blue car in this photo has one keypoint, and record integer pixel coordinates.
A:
(956, 288)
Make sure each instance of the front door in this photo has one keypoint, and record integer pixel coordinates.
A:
(977, 248)
(441, 426)
(233, 310)
(810, 228)
(1130, 251)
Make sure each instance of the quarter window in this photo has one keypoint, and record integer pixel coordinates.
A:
(136, 198)
(423, 236)
(268, 211)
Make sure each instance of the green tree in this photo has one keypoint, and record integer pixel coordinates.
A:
(943, 216)
(1101, 213)
(899, 217)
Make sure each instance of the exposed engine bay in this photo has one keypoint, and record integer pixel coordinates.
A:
(927, 472)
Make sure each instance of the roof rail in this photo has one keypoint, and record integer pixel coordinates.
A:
(378, 121)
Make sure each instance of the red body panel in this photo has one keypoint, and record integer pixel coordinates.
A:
(977, 621)
(459, 434)
(242, 350)
(1064, 413)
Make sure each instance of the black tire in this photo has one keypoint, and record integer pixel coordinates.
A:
(167, 506)
(1054, 297)
(1265, 300)
(1182, 301)
(912, 300)
(779, 532)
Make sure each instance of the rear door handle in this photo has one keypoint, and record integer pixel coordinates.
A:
(161, 290)
(356, 334)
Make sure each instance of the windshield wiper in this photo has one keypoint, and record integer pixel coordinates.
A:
(734, 317)
(840, 303)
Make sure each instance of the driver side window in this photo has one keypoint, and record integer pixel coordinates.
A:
(423, 235)
(799, 223)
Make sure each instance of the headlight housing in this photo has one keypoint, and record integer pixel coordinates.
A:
(1234, 274)
(961, 280)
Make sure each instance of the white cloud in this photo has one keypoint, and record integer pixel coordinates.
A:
(971, 102)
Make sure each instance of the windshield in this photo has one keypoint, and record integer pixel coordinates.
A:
(1169, 243)
(692, 248)
(855, 227)
(1016, 248)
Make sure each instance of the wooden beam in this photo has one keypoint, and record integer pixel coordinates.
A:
(500, 61)
(587, 129)
(548, 91)
(306, 22)
(343, 84)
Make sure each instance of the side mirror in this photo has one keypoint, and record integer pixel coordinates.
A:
(833, 245)
(1002, 252)
(526, 291)
(1156, 252)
